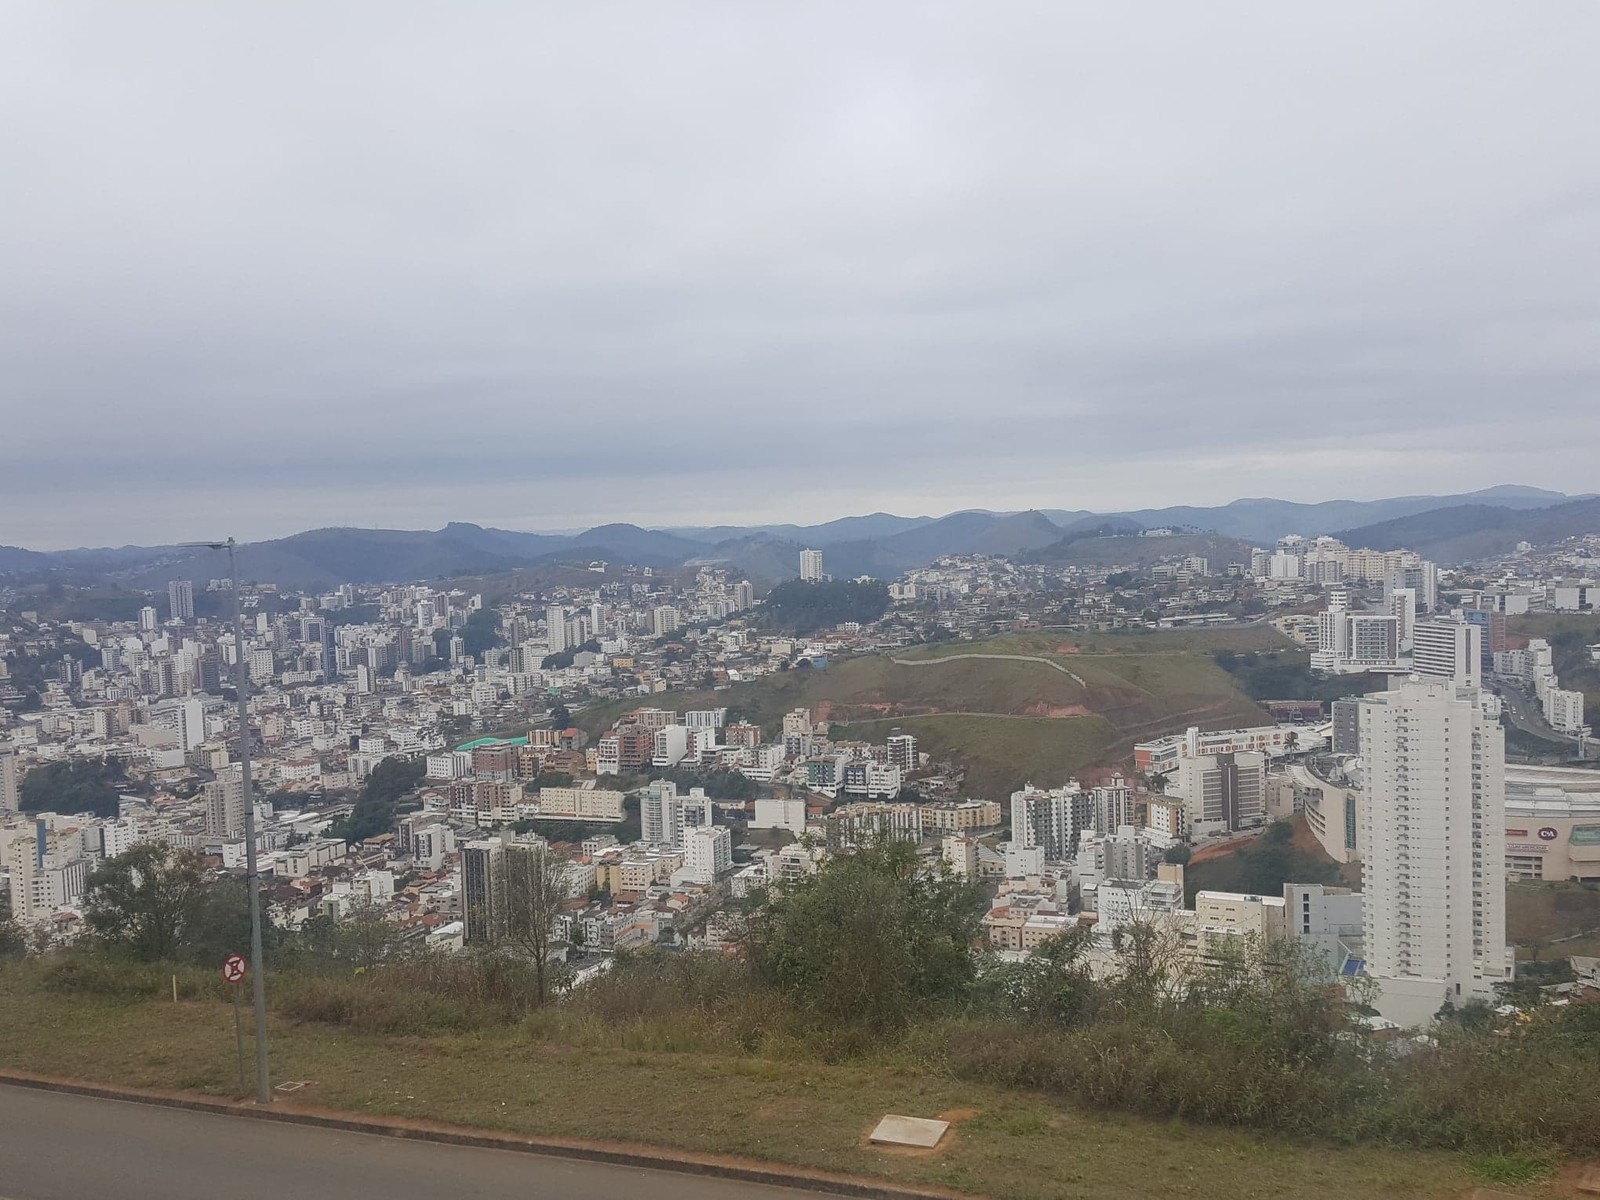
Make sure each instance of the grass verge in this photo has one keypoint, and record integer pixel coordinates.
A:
(800, 1112)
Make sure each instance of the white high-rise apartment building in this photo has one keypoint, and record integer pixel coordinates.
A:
(707, 853)
(225, 804)
(555, 619)
(903, 751)
(666, 818)
(1051, 820)
(10, 783)
(44, 877)
(1434, 824)
(149, 619)
(811, 566)
(180, 597)
(1448, 650)
(1223, 792)
(191, 724)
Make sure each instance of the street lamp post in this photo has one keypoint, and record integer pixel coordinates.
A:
(241, 685)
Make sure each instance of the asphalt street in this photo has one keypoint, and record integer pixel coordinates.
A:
(1524, 713)
(61, 1147)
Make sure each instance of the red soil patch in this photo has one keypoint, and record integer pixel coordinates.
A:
(1041, 709)
(1222, 849)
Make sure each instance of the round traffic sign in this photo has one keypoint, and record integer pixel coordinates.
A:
(234, 967)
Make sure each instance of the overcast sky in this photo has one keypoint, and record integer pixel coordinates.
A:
(273, 266)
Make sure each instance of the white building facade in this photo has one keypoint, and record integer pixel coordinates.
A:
(1434, 829)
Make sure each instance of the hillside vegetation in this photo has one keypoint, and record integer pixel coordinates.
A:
(1023, 708)
(803, 607)
(1454, 535)
(1570, 635)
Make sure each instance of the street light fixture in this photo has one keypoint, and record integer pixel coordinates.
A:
(241, 685)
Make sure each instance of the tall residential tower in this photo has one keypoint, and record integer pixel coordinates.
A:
(1434, 825)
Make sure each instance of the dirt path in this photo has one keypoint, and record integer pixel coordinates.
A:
(1030, 658)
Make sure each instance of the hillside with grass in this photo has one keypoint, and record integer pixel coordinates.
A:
(1033, 707)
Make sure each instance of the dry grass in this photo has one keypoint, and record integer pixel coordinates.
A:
(1552, 915)
(1123, 688)
(801, 1112)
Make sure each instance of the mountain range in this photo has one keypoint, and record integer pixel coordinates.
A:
(1452, 528)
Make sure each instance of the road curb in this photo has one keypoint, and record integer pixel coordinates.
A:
(612, 1153)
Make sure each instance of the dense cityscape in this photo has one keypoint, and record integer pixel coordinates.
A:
(903, 600)
(408, 739)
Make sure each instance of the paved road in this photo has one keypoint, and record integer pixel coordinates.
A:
(59, 1147)
(1525, 714)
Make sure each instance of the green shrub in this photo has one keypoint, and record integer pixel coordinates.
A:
(417, 995)
(94, 975)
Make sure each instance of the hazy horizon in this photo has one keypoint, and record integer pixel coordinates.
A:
(278, 267)
(801, 521)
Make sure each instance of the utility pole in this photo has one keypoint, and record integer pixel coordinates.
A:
(241, 685)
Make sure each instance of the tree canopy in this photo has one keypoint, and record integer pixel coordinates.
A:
(74, 786)
(482, 632)
(562, 659)
(803, 607)
(374, 809)
(870, 938)
(1262, 868)
(159, 904)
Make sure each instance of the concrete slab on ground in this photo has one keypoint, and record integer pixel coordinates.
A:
(919, 1132)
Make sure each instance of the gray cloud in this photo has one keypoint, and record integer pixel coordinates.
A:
(272, 266)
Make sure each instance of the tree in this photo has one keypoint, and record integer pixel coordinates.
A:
(534, 892)
(220, 923)
(482, 632)
(13, 938)
(146, 900)
(1052, 984)
(869, 938)
(803, 607)
(560, 717)
(1158, 781)
(74, 786)
(364, 938)
(374, 810)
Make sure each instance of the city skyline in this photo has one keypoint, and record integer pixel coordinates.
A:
(551, 268)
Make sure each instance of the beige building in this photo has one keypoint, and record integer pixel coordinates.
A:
(1333, 813)
(580, 804)
(958, 815)
(1224, 918)
(961, 854)
(1022, 922)
(1552, 823)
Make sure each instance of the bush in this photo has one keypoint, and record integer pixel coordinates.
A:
(90, 975)
(689, 1002)
(868, 940)
(119, 978)
(418, 995)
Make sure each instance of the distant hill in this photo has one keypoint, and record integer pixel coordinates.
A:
(1141, 551)
(879, 544)
(15, 558)
(1266, 520)
(1470, 532)
(845, 529)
